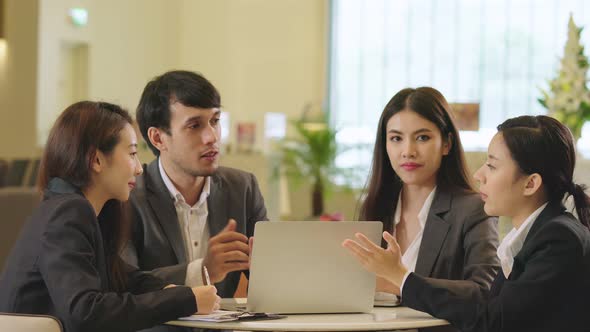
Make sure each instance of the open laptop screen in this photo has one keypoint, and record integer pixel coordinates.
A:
(301, 267)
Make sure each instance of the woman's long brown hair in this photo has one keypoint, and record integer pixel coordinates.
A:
(80, 131)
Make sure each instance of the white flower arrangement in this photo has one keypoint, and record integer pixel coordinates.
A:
(568, 98)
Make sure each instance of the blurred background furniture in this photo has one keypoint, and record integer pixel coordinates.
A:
(3, 170)
(29, 323)
(16, 173)
(16, 204)
(33, 173)
(19, 172)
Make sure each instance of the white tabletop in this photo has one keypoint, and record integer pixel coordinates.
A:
(393, 318)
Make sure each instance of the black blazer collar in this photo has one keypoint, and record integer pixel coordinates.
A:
(551, 211)
(61, 186)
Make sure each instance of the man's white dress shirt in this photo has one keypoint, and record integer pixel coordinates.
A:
(193, 226)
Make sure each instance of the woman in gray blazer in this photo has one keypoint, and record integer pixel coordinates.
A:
(66, 261)
(419, 188)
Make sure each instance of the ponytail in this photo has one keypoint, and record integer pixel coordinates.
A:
(541, 144)
(582, 202)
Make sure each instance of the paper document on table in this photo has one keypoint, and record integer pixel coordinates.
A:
(220, 316)
(216, 316)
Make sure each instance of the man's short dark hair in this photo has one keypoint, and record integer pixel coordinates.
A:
(189, 88)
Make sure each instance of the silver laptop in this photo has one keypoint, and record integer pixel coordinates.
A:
(301, 267)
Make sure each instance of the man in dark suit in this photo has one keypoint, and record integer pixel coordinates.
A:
(189, 213)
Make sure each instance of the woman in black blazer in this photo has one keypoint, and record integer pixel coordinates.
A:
(420, 189)
(66, 261)
(544, 284)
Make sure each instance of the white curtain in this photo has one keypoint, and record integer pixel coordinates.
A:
(494, 52)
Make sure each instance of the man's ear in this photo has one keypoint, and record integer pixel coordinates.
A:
(447, 144)
(155, 135)
(532, 184)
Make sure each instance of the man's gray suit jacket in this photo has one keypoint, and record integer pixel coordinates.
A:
(156, 243)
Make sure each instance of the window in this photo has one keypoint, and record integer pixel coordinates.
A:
(496, 53)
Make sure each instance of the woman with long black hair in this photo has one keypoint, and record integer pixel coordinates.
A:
(420, 189)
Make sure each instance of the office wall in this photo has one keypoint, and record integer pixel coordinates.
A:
(18, 83)
(56, 35)
(131, 41)
(127, 43)
(264, 56)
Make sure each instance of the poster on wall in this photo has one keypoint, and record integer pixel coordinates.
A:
(465, 116)
(246, 137)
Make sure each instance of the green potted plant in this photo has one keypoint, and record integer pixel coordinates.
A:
(310, 156)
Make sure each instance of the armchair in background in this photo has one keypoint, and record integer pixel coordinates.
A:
(29, 323)
(16, 204)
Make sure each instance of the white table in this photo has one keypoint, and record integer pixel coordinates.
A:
(394, 318)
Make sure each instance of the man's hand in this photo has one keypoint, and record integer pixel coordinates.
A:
(228, 251)
(207, 299)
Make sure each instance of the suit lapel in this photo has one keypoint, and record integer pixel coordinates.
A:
(551, 211)
(435, 232)
(217, 205)
(497, 284)
(163, 206)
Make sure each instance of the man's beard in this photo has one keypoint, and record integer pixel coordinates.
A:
(197, 173)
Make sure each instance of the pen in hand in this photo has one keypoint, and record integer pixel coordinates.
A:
(206, 273)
